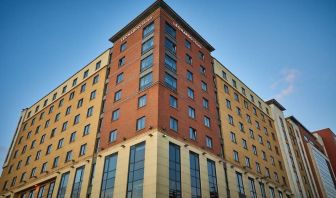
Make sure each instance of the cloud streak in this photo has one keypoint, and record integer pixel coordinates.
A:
(286, 83)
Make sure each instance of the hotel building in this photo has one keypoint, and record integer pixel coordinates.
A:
(153, 116)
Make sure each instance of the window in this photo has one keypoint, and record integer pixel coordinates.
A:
(173, 124)
(172, 101)
(148, 30)
(236, 97)
(170, 81)
(174, 171)
(89, 112)
(254, 149)
(51, 109)
(262, 190)
(192, 133)
(86, 130)
(200, 55)
(72, 95)
(98, 65)
(202, 70)
(55, 163)
(228, 104)
(146, 81)
(44, 167)
(188, 59)
(248, 118)
(95, 79)
(24, 149)
(123, 46)
(72, 137)
(86, 74)
(49, 149)
(42, 139)
(53, 132)
(33, 144)
(76, 119)
(204, 86)
(212, 177)
(247, 162)
(38, 155)
(68, 110)
(23, 177)
(60, 143)
(61, 102)
(120, 78)
(68, 156)
(51, 189)
(206, 121)
(253, 191)
(240, 184)
(77, 183)
(146, 63)
(208, 141)
(191, 113)
(93, 95)
(205, 103)
(82, 150)
(234, 84)
(191, 93)
(13, 181)
(170, 46)
(122, 61)
(244, 144)
(147, 45)
(141, 123)
(260, 139)
(272, 192)
(109, 172)
(235, 156)
(63, 185)
(115, 115)
(238, 111)
(233, 137)
(195, 175)
(226, 89)
(170, 63)
(230, 120)
(33, 172)
(257, 125)
(74, 82)
(170, 30)
(241, 127)
(45, 103)
(187, 44)
(113, 135)
(136, 171)
(190, 76)
(54, 96)
(83, 87)
(117, 96)
(142, 101)
(258, 167)
(264, 155)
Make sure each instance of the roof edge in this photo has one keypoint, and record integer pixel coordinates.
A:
(276, 103)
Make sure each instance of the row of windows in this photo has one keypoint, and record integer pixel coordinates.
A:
(64, 89)
(252, 188)
(234, 84)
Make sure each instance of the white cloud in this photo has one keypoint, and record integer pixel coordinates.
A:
(286, 83)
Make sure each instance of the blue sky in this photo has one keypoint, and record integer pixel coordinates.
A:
(283, 49)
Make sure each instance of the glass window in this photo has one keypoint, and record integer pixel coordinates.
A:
(191, 113)
(240, 184)
(95, 79)
(170, 30)
(174, 171)
(83, 87)
(173, 101)
(188, 59)
(253, 191)
(195, 175)
(147, 45)
(86, 74)
(98, 65)
(117, 96)
(170, 63)
(191, 93)
(205, 103)
(93, 95)
(123, 46)
(110, 167)
(206, 121)
(115, 115)
(212, 177)
(51, 189)
(192, 133)
(89, 112)
(55, 163)
(73, 137)
(77, 184)
(170, 46)
(235, 156)
(233, 137)
(86, 130)
(187, 44)
(200, 55)
(190, 76)
(173, 124)
(272, 192)
(262, 190)
(63, 185)
(142, 101)
(82, 150)
(148, 30)
(204, 86)
(146, 81)
(122, 61)
(136, 171)
(202, 69)
(146, 63)
(120, 78)
(141, 123)
(208, 141)
(113, 135)
(68, 156)
(170, 81)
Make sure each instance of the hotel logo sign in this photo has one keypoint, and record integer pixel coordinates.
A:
(187, 34)
(136, 28)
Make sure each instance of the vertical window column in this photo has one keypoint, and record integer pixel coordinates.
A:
(195, 175)
(174, 171)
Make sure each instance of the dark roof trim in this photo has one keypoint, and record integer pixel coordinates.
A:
(296, 121)
(276, 103)
(161, 4)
